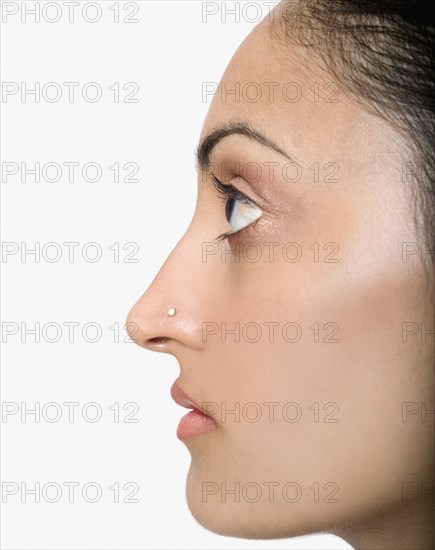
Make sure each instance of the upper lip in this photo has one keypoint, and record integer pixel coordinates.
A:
(181, 398)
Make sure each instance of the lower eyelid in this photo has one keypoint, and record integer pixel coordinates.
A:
(246, 232)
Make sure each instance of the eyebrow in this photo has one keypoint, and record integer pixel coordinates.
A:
(205, 148)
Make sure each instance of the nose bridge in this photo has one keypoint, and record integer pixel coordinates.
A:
(182, 284)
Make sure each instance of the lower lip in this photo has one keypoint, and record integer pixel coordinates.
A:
(194, 423)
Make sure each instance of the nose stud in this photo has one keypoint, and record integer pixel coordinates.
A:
(171, 312)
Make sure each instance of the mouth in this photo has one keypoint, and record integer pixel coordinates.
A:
(195, 422)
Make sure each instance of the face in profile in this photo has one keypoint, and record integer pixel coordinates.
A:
(301, 311)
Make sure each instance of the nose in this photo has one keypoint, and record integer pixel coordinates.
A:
(171, 312)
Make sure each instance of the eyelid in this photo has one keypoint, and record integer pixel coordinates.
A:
(230, 191)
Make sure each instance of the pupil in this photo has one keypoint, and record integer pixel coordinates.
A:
(229, 208)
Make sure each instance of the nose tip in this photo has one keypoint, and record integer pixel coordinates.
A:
(161, 328)
(143, 330)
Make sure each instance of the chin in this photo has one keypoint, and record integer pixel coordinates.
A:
(242, 519)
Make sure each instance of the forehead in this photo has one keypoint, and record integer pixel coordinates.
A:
(281, 90)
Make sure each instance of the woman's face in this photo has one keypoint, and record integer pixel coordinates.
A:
(303, 335)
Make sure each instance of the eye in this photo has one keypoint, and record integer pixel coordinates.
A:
(240, 210)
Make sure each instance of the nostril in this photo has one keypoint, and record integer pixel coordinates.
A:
(157, 340)
(158, 343)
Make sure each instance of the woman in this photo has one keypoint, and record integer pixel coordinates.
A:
(299, 302)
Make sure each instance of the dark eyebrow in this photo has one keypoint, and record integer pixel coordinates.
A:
(204, 149)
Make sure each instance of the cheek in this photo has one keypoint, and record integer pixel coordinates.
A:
(309, 388)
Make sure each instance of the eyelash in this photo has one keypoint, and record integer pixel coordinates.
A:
(226, 192)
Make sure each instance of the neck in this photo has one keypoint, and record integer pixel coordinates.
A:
(409, 528)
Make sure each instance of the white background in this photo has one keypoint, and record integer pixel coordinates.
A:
(169, 53)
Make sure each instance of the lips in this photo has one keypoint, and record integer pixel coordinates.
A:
(181, 398)
(193, 423)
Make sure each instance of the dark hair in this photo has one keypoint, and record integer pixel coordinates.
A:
(383, 52)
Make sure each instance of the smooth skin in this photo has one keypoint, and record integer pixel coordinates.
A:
(357, 465)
